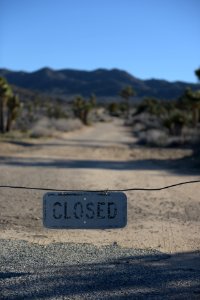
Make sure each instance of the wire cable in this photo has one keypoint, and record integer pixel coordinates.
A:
(98, 191)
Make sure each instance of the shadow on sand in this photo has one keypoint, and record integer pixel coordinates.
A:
(175, 276)
(183, 166)
(78, 143)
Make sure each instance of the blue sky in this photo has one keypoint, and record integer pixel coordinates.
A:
(147, 38)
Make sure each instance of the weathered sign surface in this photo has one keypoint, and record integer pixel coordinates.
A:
(85, 210)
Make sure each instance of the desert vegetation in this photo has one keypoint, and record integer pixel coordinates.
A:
(82, 108)
(9, 106)
(159, 122)
(155, 122)
(38, 115)
(168, 123)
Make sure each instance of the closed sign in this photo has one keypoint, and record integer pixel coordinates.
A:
(85, 210)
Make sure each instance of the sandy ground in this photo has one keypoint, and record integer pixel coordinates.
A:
(104, 156)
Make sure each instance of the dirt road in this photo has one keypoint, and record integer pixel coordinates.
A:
(104, 156)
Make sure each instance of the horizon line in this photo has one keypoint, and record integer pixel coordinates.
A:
(97, 69)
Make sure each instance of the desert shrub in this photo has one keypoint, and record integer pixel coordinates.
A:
(118, 109)
(66, 125)
(138, 127)
(46, 127)
(191, 135)
(153, 137)
(56, 111)
(175, 121)
(151, 106)
(42, 128)
(113, 109)
(148, 120)
(190, 101)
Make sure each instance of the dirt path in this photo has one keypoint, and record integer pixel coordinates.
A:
(101, 157)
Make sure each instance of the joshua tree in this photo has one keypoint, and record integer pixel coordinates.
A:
(197, 72)
(5, 94)
(126, 93)
(78, 107)
(113, 109)
(194, 103)
(82, 108)
(152, 106)
(175, 122)
(93, 100)
(13, 105)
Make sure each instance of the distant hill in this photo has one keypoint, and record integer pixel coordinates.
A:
(101, 82)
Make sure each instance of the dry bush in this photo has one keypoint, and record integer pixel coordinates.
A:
(66, 125)
(42, 128)
(153, 137)
(191, 135)
(148, 120)
(162, 138)
(46, 127)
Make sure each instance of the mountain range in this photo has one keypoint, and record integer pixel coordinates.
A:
(101, 82)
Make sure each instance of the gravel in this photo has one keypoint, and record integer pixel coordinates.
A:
(84, 271)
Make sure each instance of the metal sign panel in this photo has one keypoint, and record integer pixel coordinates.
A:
(85, 210)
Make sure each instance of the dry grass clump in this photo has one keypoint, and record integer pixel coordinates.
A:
(154, 137)
(151, 131)
(46, 127)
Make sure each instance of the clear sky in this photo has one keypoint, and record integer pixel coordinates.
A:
(148, 38)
